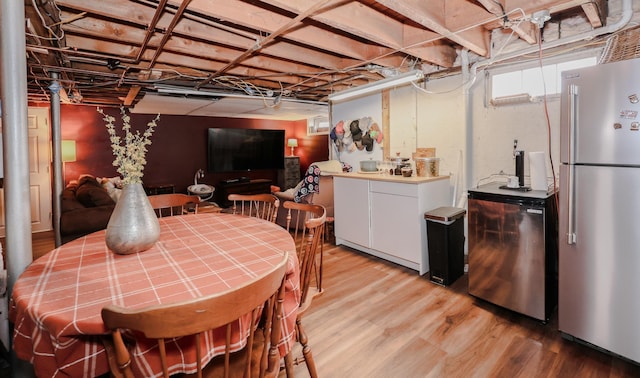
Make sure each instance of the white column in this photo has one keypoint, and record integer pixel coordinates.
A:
(56, 140)
(15, 150)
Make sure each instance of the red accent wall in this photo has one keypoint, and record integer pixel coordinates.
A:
(179, 145)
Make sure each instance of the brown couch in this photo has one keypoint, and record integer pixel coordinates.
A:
(324, 197)
(85, 207)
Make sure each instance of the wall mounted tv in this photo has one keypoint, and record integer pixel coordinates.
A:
(236, 150)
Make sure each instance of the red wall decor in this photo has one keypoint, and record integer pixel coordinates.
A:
(179, 145)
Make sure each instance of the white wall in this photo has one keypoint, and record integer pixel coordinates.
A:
(369, 106)
(435, 117)
(441, 124)
(494, 130)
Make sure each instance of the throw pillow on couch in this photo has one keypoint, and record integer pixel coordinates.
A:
(86, 207)
(91, 194)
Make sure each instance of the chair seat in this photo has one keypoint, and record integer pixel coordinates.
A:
(311, 294)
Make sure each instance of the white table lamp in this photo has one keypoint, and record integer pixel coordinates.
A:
(292, 142)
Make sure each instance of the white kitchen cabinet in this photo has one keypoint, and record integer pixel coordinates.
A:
(384, 215)
(351, 210)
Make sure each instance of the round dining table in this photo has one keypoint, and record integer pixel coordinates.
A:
(56, 302)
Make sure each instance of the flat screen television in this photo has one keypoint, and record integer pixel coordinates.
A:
(237, 150)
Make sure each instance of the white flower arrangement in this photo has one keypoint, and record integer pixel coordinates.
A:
(130, 157)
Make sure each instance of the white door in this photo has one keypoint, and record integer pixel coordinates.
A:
(39, 169)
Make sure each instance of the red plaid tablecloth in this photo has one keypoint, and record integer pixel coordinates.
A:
(56, 302)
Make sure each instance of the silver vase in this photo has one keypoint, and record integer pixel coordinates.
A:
(133, 226)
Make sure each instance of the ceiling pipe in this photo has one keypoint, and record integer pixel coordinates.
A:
(469, 76)
(66, 50)
(627, 14)
(151, 29)
(167, 34)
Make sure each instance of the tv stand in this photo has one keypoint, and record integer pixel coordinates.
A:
(242, 179)
(240, 186)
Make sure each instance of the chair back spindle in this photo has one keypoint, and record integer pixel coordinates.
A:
(174, 204)
(308, 234)
(263, 206)
(191, 318)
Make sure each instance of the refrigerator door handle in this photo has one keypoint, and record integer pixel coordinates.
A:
(573, 123)
(571, 232)
(573, 118)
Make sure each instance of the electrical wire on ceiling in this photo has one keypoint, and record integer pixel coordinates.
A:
(439, 37)
(57, 37)
(472, 79)
(241, 84)
(546, 115)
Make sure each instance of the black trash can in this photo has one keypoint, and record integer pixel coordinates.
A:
(445, 238)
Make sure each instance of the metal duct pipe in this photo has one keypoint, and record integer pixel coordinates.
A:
(627, 14)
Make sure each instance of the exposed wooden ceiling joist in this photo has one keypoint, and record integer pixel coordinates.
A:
(114, 52)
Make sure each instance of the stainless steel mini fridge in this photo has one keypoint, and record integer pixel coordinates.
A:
(513, 249)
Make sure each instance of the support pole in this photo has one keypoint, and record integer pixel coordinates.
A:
(56, 142)
(15, 139)
(13, 92)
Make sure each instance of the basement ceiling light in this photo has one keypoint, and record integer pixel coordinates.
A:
(377, 86)
(183, 91)
(520, 98)
(194, 92)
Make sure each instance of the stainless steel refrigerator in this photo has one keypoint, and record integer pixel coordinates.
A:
(599, 214)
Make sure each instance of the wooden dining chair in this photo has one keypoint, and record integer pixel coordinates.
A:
(297, 215)
(263, 206)
(309, 239)
(173, 204)
(259, 358)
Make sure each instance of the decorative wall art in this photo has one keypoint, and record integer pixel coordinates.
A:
(356, 135)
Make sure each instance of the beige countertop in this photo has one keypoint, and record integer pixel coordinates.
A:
(382, 177)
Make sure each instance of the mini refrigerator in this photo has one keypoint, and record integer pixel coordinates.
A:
(513, 249)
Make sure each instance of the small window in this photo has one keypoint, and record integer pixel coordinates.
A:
(318, 125)
(527, 84)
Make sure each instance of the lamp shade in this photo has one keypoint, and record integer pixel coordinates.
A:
(68, 148)
(292, 142)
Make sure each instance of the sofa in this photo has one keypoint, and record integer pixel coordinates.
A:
(323, 197)
(86, 207)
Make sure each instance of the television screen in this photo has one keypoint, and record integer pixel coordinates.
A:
(234, 150)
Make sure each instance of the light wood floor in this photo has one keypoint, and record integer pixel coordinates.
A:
(42, 242)
(377, 319)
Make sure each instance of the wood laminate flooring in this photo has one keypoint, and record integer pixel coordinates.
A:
(378, 319)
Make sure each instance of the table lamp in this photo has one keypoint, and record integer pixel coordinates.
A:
(68, 149)
(292, 142)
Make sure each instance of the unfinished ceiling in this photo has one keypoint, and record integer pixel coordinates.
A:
(114, 53)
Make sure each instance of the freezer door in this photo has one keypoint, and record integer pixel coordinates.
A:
(599, 273)
(600, 114)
